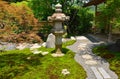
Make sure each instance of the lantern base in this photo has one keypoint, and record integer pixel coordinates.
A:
(58, 53)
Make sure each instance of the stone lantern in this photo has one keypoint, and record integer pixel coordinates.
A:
(58, 30)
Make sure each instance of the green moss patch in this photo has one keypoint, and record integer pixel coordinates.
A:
(23, 64)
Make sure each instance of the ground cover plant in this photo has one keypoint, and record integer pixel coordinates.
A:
(112, 57)
(23, 64)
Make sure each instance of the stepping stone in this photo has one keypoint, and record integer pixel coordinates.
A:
(81, 38)
(104, 73)
(96, 72)
(91, 62)
(72, 38)
(82, 46)
(87, 56)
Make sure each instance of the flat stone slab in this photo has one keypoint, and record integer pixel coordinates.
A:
(57, 55)
(87, 56)
(81, 38)
(91, 62)
(100, 73)
(104, 73)
(82, 46)
(96, 72)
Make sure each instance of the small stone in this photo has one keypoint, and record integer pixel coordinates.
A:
(87, 56)
(91, 62)
(22, 46)
(65, 72)
(72, 38)
(82, 46)
(36, 51)
(35, 46)
(81, 38)
(44, 44)
(44, 53)
(28, 58)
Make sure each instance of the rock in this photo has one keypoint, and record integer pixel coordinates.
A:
(28, 58)
(10, 46)
(57, 55)
(87, 56)
(91, 62)
(65, 72)
(82, 46)
(72, 38)
(44, 44)
(50, 43)
(35, 46)
(22, 46)
(44, 53)
(35, 51)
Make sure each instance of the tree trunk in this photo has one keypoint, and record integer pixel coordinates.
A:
(110, 34)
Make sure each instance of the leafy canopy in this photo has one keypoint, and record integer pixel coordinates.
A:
(110, 14)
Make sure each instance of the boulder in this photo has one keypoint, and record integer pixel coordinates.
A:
(50, 43)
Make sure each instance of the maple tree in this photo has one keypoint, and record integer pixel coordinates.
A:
(17, 23)
(18, 18)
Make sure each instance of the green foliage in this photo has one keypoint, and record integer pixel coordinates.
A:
(42, 11)
(41, 8)
(16, 65)
(112, 57)
(109, 14)
(21, 3)
(80, 20)
(69, 43)
(79, 17)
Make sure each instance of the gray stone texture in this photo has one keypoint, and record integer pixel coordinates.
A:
(50, 43)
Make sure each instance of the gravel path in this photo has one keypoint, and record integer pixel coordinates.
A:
(95, 66)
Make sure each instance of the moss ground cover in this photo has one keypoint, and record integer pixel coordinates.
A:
(112, 57)
(23, 64)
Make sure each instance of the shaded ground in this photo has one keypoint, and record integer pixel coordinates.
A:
(91, 38)
(114, 48)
